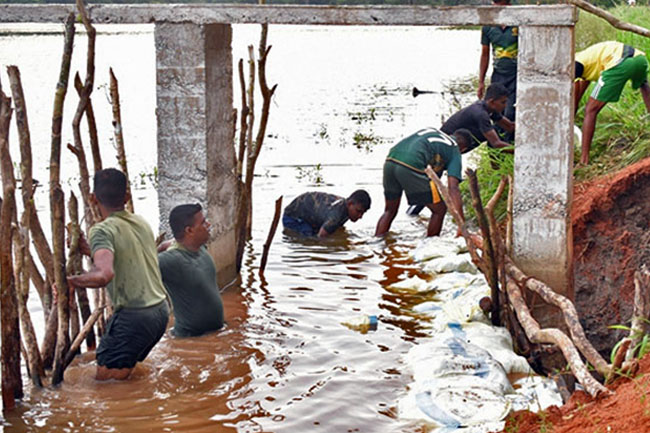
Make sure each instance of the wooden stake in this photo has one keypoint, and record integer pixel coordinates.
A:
(119, 137)
(40, 241)
(92, 126)
(87, 328)
(269, 238)
(10, 331)
(57, 205)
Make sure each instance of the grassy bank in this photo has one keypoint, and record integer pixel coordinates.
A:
(622, 132)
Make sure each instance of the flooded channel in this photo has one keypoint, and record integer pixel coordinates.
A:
(285, 363)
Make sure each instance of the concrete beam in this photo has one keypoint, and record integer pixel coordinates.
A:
(293, 14)
(195, 135)
(543, 183)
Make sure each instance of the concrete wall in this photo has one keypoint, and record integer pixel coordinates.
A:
(542, 236)
(195, 135)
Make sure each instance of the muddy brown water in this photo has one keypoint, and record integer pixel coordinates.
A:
(284, 363)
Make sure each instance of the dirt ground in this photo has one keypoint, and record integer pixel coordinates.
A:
(611, 230)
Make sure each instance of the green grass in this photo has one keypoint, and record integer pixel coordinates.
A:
(622, 135)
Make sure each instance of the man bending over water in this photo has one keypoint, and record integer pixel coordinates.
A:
(319, 213)
(404, 171)
(189, 274)
(125, 261)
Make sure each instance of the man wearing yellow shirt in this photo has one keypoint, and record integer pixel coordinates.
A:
(611, 64)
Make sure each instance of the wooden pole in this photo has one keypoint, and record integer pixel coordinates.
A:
(269, 238)
(40, 241)
(489, 256)
(57, 205)
(92, 126)
(85, 330)
(10, 331)
(615, 22)
(119, 137)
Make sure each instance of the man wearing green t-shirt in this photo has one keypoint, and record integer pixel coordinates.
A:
(189, 274)
(505, 44)
(404, 171)
(125, 261)
(611, 64)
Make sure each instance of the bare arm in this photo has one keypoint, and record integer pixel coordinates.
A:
(506, 124)
(322, 233)
(645, 93)
(99, 275)
(482, 70)
(494, 139)
(579, 88)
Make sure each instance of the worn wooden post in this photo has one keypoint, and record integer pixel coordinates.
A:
(12, 386)
(195, 136)
(543, 179)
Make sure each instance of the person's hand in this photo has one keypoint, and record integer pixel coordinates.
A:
(481, 90)
(459, 232)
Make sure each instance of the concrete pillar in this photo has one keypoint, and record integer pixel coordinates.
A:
(542, 234)
(195, 134)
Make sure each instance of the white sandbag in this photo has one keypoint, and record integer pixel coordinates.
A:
(535, 393)
(455, 263)
(434, 247)
(414, 283)
(455, 402)
(455, 280)
(454, 357)
(495, 340)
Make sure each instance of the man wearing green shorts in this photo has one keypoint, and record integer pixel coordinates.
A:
(611, 64)
(125, 261)
(189, 274)
(404, 171)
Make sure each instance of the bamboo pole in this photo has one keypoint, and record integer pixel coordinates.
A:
(40, 241)
(10, 331)
(269, 238)
(57, 206)
(119, 137)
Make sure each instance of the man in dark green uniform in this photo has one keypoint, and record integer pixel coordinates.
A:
(189, 274)
(125, 261)
(404, 171)
(321, 214)
(504, 41)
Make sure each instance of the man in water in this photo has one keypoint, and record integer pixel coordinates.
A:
(504, 41)
(321, 214)
(404, 171)
(125, 261)
(189, 274)
(480, 117)
(611, 64)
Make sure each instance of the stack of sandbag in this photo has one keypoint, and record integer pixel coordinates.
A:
(461, 375)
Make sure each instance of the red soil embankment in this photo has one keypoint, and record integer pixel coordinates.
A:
(611, 232)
